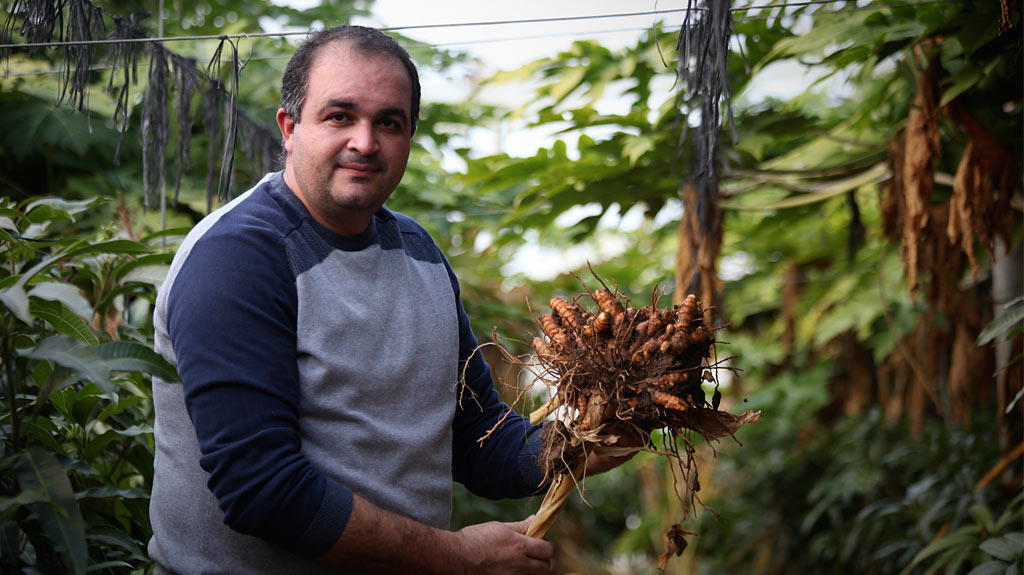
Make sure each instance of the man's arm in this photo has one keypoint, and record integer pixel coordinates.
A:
(378, 541)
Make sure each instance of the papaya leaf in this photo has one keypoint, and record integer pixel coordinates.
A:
(63, 320)
(39, 470)
(134, 356)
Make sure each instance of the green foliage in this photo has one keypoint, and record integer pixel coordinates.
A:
(859, 497)
(77, 459)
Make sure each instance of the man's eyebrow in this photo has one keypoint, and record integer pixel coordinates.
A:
(344, 104)
(347, 105)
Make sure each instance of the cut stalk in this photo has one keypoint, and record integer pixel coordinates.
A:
(555, 499)
(546, 409)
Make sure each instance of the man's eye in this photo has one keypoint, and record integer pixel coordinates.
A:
(338, 117)
(388, 123)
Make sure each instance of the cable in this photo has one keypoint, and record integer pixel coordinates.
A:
(469, 24)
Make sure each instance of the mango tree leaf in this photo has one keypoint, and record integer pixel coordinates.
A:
(1000, 548)
(116, 537)
(989, 568)
(72, 207)
(1012, 315)
(60, 518)
(106, 492)
(983, 515)
(65, 293)
(134, 356)
(108, 564)
(63, 320)
(15, 299)
(964, 536)
(76, 355)
(26, 497)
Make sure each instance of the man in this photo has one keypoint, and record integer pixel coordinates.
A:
(323, 350)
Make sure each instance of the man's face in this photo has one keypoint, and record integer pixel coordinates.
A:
(349, 151)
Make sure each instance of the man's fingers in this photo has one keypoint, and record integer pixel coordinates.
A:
(520, 527)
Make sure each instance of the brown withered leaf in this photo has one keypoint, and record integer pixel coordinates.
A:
(675, 544)
(921, 148)
(980, 210)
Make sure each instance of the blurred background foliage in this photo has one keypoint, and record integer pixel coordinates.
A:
(866, 277)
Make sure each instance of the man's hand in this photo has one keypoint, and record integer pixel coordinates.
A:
(378, 541)
(504, 548)
(602, 457)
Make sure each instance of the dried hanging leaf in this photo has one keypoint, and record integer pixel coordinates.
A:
(213, 70)
(675, 544)
(980, 209)
(84, 23)
(921, 148)
(703, 46)
(793, 283)
(124, 66)
(892, 200)
(186, 80)
(155, 126)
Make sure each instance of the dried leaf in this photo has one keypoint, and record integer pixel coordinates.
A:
(921, 148)
(675, 544)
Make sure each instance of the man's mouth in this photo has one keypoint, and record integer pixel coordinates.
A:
(360, 170)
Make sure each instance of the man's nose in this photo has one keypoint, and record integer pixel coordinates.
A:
(363, 138)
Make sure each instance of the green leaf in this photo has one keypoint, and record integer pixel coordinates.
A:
(65, 293)
(1012, 315)
(965, 536)
(989, 568)
(76, 355)
(108, 564)
(134, 356)
(983, 515)
(15, 299)
(47, 209)
(106, 492)
(60, 518)
(116, 537)
(26, 497)
(63, 320)
(1001, 548)
(1014, 511)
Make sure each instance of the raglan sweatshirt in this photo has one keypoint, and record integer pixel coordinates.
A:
(314, 366)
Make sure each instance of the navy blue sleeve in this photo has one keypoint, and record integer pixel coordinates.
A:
(231, 315)
(506, 463)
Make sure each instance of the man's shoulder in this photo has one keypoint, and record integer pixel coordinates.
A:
(412, 236)
(263, 209)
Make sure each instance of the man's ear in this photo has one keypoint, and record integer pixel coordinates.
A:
(287, 126)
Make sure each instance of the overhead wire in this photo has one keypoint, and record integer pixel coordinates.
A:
(458, 43)
(286, 33)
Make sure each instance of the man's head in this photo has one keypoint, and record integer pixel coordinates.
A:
(367, 40)
(350, 98)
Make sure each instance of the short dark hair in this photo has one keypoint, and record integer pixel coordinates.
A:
(367, 40)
